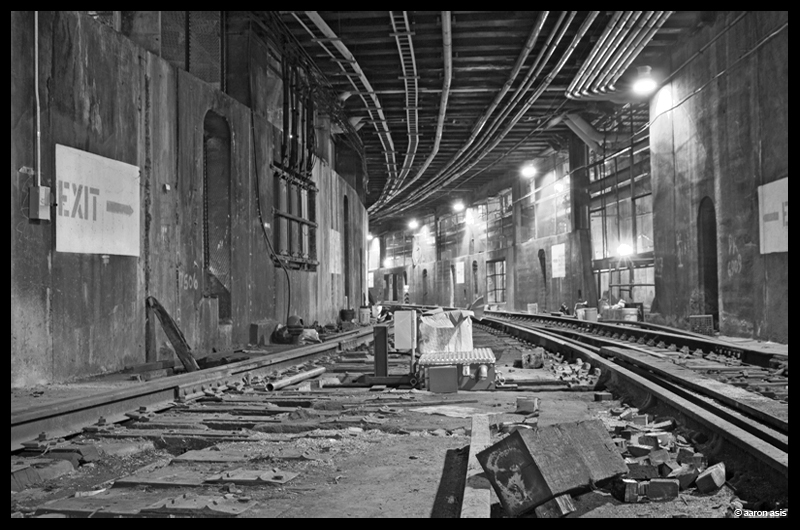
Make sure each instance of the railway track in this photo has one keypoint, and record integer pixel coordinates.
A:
(41, 424)
(756, 425)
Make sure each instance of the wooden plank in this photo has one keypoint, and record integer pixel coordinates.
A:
(771, 412)
(176, 338)
(476, 502)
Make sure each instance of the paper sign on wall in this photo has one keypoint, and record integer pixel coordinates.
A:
(336, 252)
(98, 203)
(460, 272)
(773, 216)
(559, 262)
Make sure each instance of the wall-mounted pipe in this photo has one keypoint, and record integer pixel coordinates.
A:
(373, 106)
(302, 376)
(38, 170)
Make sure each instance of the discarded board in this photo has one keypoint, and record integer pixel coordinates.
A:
(530, 467)
(476, 502)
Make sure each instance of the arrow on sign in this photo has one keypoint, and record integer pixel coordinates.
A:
(116, 207)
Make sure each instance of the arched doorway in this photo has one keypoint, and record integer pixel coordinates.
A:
(707, 258)
(217, 211)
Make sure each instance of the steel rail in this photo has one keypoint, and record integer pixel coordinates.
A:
(763, 451)
(70, 416)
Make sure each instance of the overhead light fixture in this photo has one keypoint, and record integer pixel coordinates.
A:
(387, 263)
(458, 206)
(413, 224)
(529, 171)
(559, 187)
(369, 237)
(624, 250)
(644, 84)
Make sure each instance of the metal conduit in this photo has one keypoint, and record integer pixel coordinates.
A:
(405, 46)
(374, 109)
(527, 48)
(447, 47)
(547, 81)
(609, 52)
(590, 62)
(533, 71)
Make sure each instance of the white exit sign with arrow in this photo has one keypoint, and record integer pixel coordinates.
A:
(97, 204)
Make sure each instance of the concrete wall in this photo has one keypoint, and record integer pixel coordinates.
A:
(74, 314)
(722, 143)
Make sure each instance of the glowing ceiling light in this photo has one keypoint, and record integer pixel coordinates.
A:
(370, 237)
(559, 187)
(644, 84)
(529, 171)
(458, 206)
(387, 263)
(413, 224)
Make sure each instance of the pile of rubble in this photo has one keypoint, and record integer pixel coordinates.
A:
(661, 463)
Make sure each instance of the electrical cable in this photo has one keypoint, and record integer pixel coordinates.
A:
(261, 218)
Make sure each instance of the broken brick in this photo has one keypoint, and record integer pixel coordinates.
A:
(685, 455)
(626, 490)
(663, 489)
(639, 449)
(648, 439)
(639, 471)
(711, 479)
(659, 456)
(686, 475)
(603, 396)
(556, 508)
(667, 468)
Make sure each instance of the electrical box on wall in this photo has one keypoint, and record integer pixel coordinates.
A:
(40, 203)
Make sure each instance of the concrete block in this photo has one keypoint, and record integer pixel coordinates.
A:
(528, 468)
(663, 489)
(647, 439)
(685, 455)
(640, 419)
(643, 487)
(261, 331)
(667, 468)
(556, 508)
(666, 425)
(711, 479)
(686, 475)
(527, 405)
(621, 443)
(636, 449)
(699, 461)
(642, 471)
(603, 396)
(659, 456)
(626, 490)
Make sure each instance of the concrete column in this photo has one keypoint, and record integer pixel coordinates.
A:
(581, 225)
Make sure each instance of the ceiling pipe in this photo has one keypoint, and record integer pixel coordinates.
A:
(611, 68)
(405, 47)
(464, 155)
(447, 47)
(375, 110)
(605, 46)
(553, 40)
(622, 41)
(429, 190)
(478, 126)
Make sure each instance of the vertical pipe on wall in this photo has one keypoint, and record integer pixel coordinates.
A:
(38, 172)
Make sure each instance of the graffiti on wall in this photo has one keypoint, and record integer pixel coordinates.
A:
(734, 258)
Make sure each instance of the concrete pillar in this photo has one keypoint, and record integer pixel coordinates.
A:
(581, 225)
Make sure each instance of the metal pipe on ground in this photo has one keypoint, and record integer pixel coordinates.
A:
(282, 383)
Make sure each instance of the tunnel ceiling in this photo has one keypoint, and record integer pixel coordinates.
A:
(508, 77)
